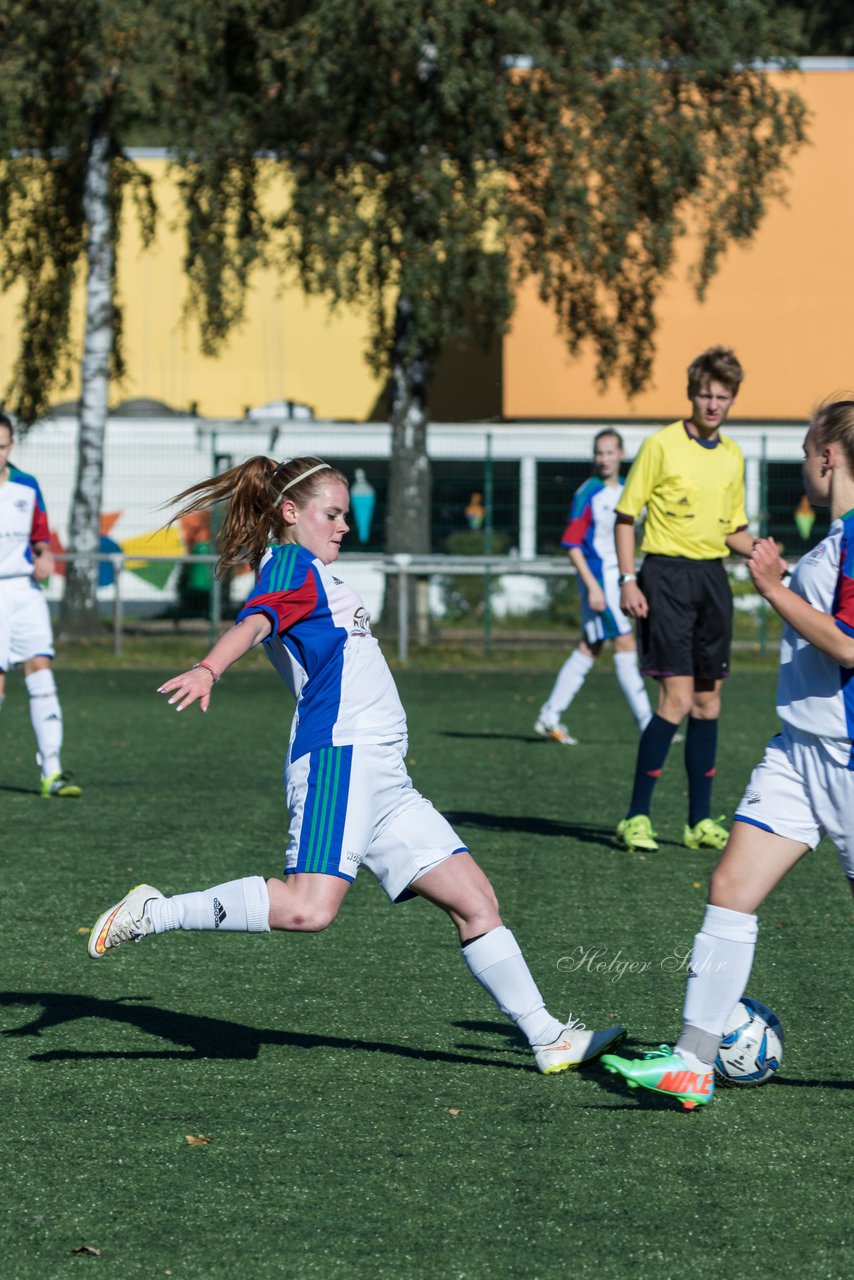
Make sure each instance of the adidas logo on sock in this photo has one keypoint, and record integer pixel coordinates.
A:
(219, 913)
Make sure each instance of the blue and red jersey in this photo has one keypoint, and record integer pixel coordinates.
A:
(590, 525)
(814, 693)
(321, 646)
(23, 521)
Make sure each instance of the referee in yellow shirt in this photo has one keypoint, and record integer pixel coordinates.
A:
(690, 478)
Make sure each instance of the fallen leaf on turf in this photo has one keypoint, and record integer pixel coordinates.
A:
(454, 1111)
(86, 1249)
(83, 929)
(197, 1140)
(696, 885)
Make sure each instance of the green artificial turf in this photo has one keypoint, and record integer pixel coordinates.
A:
(367, 1110)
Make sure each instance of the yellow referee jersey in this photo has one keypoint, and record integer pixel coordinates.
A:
(694, 494)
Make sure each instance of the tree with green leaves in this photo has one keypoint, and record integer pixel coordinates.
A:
(435, 155)
(75, 79)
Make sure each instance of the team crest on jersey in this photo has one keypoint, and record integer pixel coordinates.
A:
(751, 796)
(818, 553)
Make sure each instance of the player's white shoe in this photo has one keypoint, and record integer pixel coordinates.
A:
(124, 922)
(556, 731)
(574, 1047)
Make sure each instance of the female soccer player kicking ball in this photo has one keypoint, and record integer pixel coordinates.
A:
(804, 786)
(350, 798)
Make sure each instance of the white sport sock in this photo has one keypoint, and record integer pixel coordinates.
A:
(239, 906)
(631, 682)
(569, 680)
(721, 961)
(46, 717)
(499, 966)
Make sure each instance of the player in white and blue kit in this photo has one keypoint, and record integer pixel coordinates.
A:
(350, 799)
(26, 635)
(802, 789)
(589, 539)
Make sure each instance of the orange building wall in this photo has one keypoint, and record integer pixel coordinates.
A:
(785, 302)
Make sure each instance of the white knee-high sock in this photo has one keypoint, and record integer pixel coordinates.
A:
(46, 717)
(239, 906)
(721, 960)
(631, 682)
(499, 966)
(569, 680)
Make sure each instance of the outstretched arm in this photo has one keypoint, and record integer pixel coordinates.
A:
(766, 567)
(196, 684)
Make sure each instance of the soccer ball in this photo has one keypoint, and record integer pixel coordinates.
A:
(752, 1045)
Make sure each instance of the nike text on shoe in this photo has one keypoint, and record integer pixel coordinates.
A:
(574, 1047)
(663, 1071)
(637, 834)
(124, 922)
(59, 784)
(708, 834)
(557, 732)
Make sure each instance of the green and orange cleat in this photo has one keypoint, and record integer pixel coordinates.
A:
(664, 1072)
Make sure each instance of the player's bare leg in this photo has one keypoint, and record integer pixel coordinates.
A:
(494, 958)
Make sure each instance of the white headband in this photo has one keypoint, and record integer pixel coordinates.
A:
(321, 466)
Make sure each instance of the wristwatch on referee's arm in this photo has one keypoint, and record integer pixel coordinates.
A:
(626, 577)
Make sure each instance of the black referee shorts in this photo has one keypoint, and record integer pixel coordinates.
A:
(688, 630)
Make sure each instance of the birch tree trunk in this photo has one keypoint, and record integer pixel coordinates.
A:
(409, 481)
(79, 615)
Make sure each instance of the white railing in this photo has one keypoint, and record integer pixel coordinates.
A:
(408, 569)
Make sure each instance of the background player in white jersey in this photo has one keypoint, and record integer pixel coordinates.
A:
(26, 636)
(589, 538)
(350, 798)
(804, 786)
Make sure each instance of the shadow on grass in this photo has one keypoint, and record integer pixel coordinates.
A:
(487, 736)
(203, 1037)
(35, 792)
(585, 832)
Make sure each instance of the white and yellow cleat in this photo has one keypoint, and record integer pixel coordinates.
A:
(555, 730)
(60, 785)
(574, 1047)
(124, 922)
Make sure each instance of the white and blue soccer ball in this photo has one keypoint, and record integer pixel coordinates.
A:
(752, 1046)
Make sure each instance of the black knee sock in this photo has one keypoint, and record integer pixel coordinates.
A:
(652, 753)
(701, 745)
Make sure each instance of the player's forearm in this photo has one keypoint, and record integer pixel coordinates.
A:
(237, 641)
(582, 568)
(817, 628)
(741, 542)
(624, 538)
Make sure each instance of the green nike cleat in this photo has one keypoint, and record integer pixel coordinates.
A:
(637, 834)
(708, 834)
(663, 1071)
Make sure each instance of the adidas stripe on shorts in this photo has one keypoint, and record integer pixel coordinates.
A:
(356, 806)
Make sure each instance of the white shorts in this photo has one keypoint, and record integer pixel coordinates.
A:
(356, 805)
(610, 624)
(25, 630)
(800, 792)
